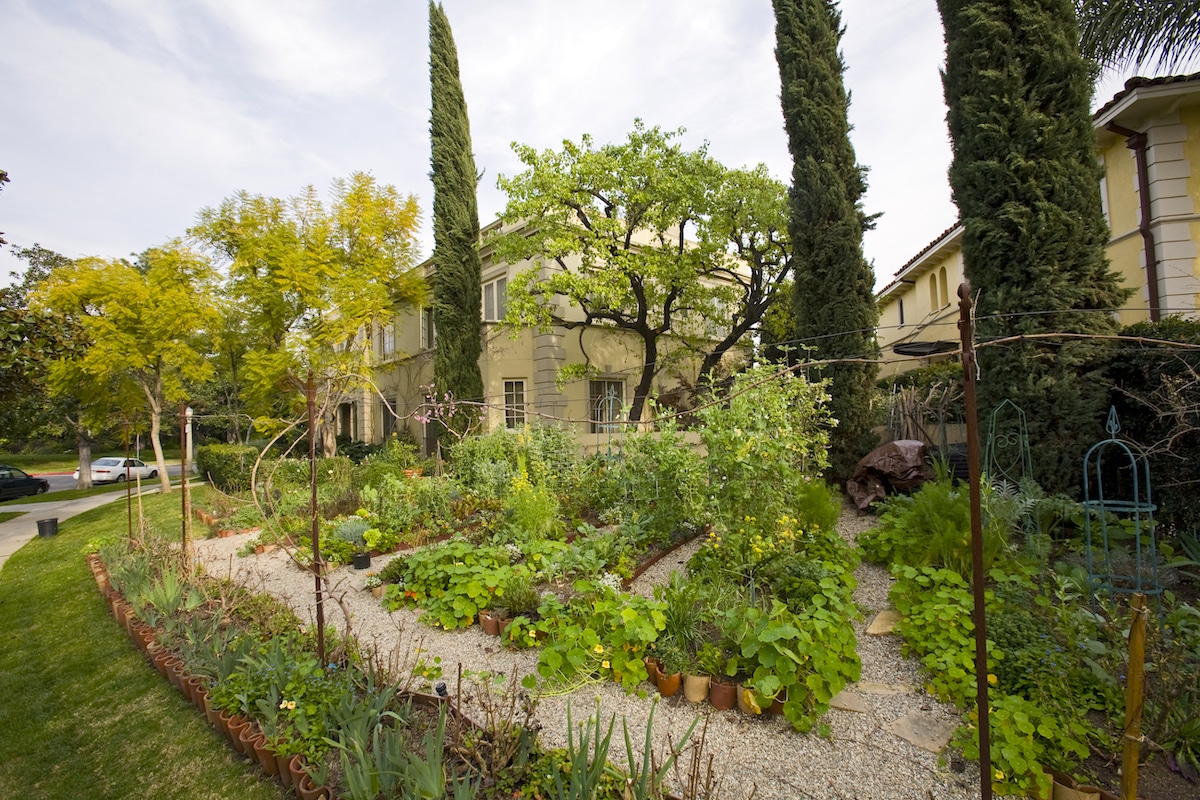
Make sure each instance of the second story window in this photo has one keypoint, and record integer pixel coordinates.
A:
(427, 329)
(387, 339)
(495, 300)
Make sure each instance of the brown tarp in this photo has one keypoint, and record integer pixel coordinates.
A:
(900, 465)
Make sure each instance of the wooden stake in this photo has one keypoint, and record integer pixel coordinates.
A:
(1134, 678)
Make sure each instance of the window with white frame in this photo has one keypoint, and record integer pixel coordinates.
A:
(495, 300)
(514, 404)
(387, 339)
(606, 405)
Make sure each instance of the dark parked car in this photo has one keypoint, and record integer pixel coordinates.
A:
(15, 483)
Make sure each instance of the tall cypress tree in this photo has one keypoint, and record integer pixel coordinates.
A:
(834, 303)
(1025, 179)
(456, 264)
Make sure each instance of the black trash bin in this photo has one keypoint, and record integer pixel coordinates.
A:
(48, 527)
(362, 560)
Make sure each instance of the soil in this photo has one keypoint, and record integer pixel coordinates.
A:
(1156, 781)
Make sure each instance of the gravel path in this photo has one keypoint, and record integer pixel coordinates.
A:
(760, 757)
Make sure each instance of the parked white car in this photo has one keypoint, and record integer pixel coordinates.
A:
(107, 470)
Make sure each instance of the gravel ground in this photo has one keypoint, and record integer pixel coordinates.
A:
(760, 757)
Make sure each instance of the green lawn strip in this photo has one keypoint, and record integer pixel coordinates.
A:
(75, 494)
(5, 516)
(83, 713)
(69, 462)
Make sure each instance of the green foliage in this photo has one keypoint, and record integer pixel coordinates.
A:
(833, 301)
(399, 505)
(486, 465)
(456, 263)
(453, 580)
(1024, 739)
(227, 466)
(306, 277)
(531, 511)
(665, 481)
(143, 322)
(601, 633)
(765, 443)
(392, 459)
(1026, 183)
(935, 606)
(625, 210)
(932, 527)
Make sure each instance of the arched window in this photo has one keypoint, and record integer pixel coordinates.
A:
(933, 292)
(945, 288)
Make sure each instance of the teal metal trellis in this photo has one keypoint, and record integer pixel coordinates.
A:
(1007, 456)
(1121, 517)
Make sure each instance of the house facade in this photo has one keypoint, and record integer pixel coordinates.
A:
(521, 371)
(1148, 142)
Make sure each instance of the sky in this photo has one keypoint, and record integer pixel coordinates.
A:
(122, 119)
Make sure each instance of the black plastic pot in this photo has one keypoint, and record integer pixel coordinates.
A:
(362, 560)
(48, 527)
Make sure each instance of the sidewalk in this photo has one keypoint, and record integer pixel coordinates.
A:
(16, 532)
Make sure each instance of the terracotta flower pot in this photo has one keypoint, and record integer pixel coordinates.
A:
(265, 755)
(489, 622)
(246, 739)
(722, 695)
(281, 770)
(296, 769)
(307, 791)
(695, 688)
(378, 592)
(237, 726)
(652, 669)
(668, 685)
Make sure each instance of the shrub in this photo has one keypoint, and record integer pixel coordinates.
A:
(401, 504)
(666, 481)
(392, 459)
(769, 438)
(485, 465)
(227, 466)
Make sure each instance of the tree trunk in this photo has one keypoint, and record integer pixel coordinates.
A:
(155, 429)
(85, 459)
(642, 390)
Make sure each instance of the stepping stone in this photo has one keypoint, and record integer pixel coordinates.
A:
(884, 622)
(923, 731)
(847, 700)
(882, 689)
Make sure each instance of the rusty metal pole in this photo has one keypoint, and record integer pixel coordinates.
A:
(128, 489)
(184, 500)
(311, 396)
(972, 415)
(1131, 745)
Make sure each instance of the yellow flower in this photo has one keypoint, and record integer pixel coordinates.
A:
(604, 664)
(992, 679)
(599, 648)
(999, 775)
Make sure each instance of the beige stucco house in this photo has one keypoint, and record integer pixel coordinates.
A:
(521, 372)
(1148, 141)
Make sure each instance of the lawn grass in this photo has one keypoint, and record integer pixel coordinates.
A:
(5, 516)
(82, 713)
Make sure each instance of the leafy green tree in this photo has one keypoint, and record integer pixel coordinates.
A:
(668, 245)
(29, 340)
(456, 263)
(310, 280)
(1026, 183)
(834, 302)
(1116, 33)
(141, 321)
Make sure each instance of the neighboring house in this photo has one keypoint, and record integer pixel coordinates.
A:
(520, 373)
(1148, 141)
